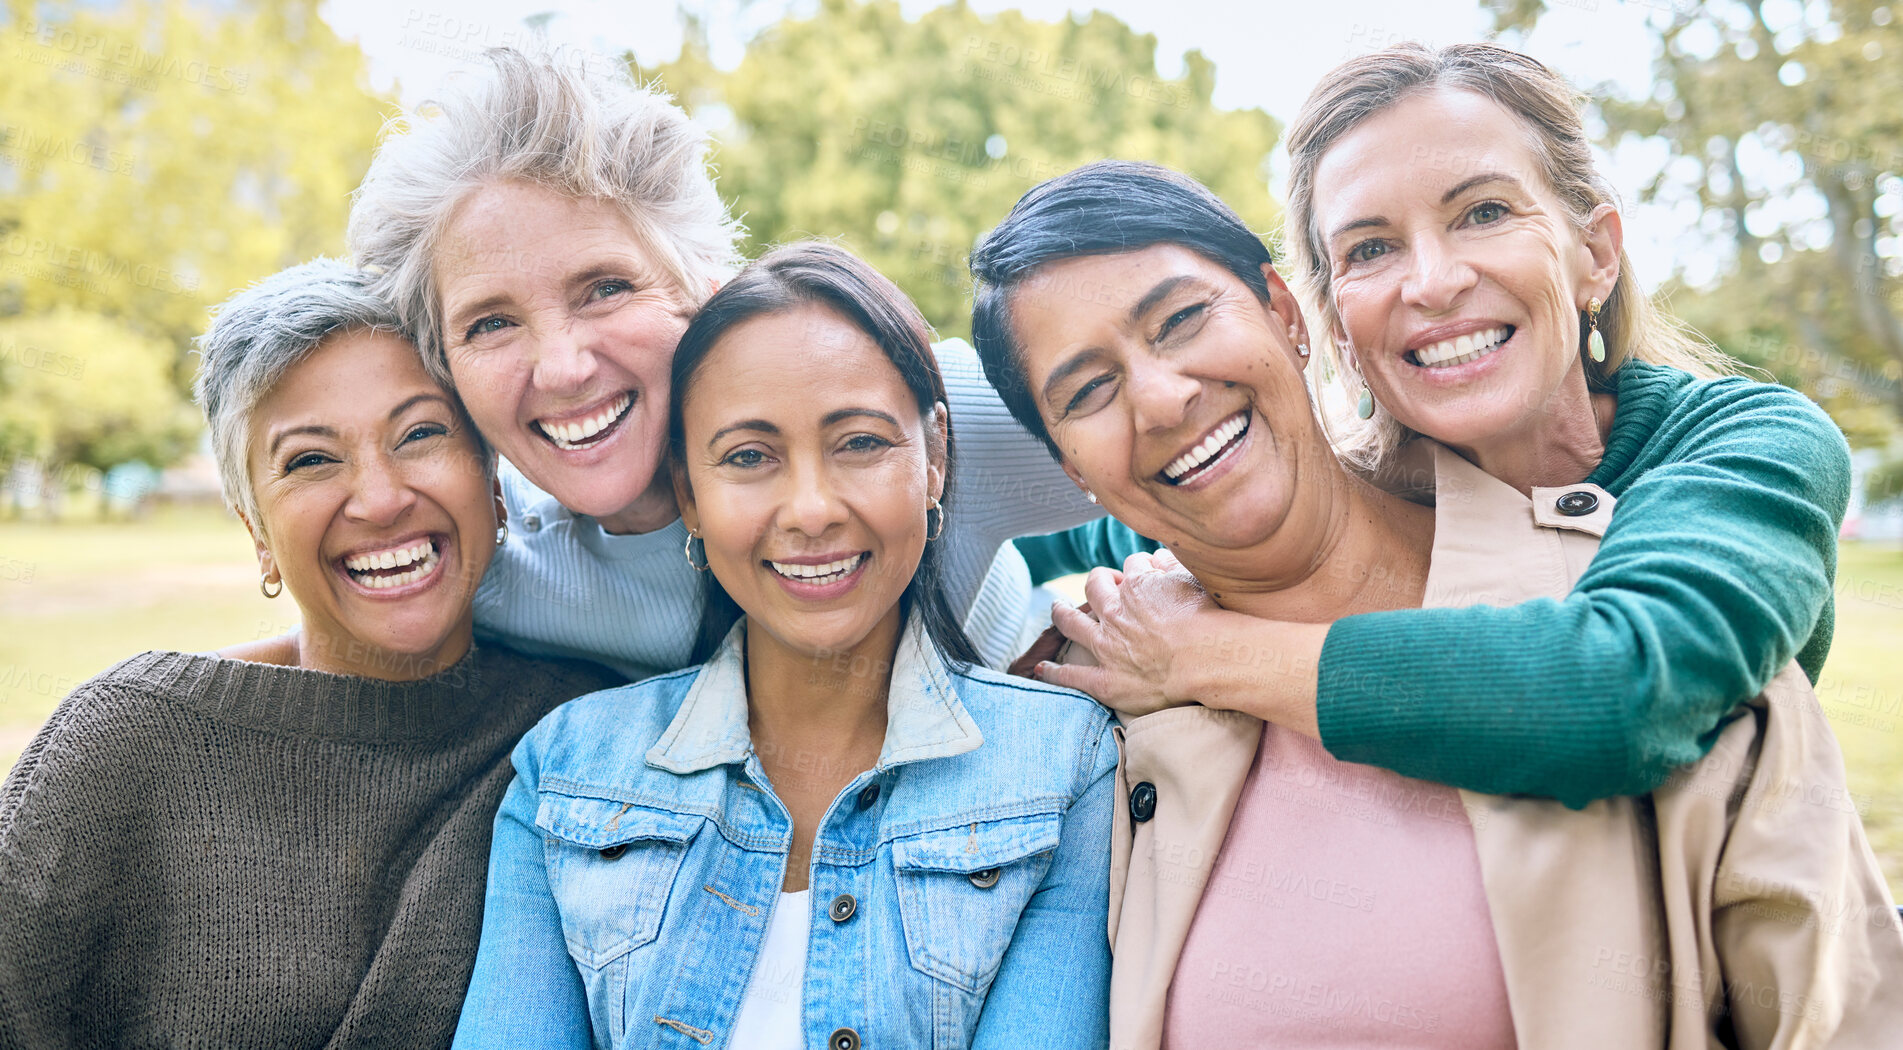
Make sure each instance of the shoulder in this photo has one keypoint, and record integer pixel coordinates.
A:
(547, 675)
(1729, 404)
(607, 728)
(1034, 718)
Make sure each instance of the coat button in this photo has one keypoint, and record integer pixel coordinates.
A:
(531, 522)
(843, 907)
(616, 850)
(869, 796)
(985, 879)
(1143, 802)
(843, 1039)
(1577, 504)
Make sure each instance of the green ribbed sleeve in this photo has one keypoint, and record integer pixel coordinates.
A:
(1715, 571)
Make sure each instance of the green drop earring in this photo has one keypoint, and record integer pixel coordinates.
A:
(1595, 343)
(1364, 405)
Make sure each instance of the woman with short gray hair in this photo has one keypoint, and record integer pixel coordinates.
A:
(547, 234)
(284, 843)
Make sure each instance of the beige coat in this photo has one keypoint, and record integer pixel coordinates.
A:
(1745, 885)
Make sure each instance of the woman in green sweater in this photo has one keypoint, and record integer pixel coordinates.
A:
(1475, 298)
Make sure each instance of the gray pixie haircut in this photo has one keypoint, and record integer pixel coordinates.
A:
(591, 133)
(256, 336)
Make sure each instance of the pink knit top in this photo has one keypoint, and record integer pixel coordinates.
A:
(1345, 910)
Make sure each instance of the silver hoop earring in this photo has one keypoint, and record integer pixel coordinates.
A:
(264, 586)
(934, 533)
(502, 533)
(688, 549)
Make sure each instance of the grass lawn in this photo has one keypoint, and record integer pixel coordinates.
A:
(77, 597)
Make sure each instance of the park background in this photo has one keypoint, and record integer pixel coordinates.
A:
(157, 156)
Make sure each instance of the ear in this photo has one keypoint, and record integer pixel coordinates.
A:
(684, 495)
(1076, 478)
(1288, 314)
(266, 563)
(1604, 237)
(937, 439)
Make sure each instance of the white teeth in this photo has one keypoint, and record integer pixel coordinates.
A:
(422, 556)
(1201, 454)
(389, 559)
(1460, 350)
(574, 435)
(818, 573)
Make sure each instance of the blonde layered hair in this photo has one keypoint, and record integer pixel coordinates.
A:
(1633, 326)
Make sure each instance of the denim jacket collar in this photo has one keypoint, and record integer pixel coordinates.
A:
(924, 718)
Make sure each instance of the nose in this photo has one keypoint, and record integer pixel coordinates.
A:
(1437, 276)
(382, 494)
(565, 357)
(810, 502)
(1160, 394)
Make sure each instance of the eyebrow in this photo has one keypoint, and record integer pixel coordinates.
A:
(831, 418)
(320, 430)
(1459, 188)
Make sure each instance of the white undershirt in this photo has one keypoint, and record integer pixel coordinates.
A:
(770, 1013)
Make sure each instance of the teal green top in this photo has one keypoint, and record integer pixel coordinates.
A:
(1715, 572)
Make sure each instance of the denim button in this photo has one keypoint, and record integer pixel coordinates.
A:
(1143, 802)
(869, 795)
(616, 850)
(985, 879)
(531, 522)
(843, 1039)
(1577, 504)
(843, 907)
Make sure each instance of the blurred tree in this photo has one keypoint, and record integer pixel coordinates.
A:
(78, 389)
(908, 139)
(1784, 127)
(155, 157)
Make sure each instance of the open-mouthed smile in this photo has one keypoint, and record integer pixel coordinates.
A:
(590, 428)
(828, 578)
(1215, 448)
(403, 567)
(1461, 349)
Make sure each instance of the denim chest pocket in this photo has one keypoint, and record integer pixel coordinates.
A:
(611, 868)
(962, 889)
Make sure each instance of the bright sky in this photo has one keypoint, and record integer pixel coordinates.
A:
(1267, 54)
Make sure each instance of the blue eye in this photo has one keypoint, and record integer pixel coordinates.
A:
(608, 288)
(1493, 211)
(485, 327)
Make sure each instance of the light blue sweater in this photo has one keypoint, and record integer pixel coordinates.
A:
(561, 586)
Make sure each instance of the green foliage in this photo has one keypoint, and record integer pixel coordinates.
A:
(155, 157)
(1884, 483)
(907, 139)
(78, 388)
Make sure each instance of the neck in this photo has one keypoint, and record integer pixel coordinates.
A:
(1561, 444)
(343, 654)
(828, 706)
(652, 511)
(1349, 549)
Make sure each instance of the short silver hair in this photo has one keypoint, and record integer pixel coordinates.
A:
(592, 134)
(257, 336)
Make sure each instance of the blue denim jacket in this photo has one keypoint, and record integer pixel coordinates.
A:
(640, 851)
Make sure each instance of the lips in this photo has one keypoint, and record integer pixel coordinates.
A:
(1215, 447)
(590, 428)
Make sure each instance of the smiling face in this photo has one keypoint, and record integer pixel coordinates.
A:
(560, 330)
(1457, 275)
(1174, 393)
(808, 471)
(374, 506)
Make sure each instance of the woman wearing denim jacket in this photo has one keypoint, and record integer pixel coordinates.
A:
(837, 831)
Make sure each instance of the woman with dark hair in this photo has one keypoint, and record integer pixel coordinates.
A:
(1485, 303)
(1271, 893)
(838, 781)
